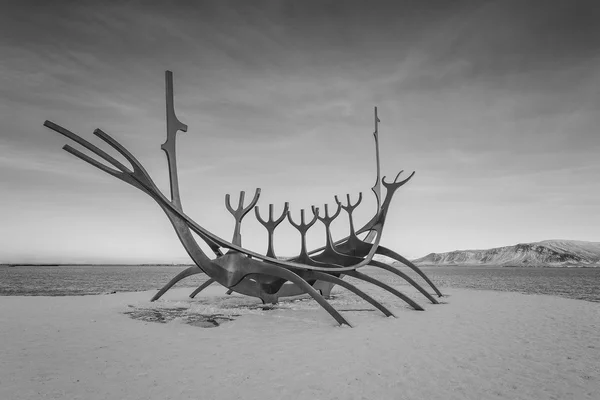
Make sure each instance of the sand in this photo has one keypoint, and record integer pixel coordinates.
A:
(479, 345)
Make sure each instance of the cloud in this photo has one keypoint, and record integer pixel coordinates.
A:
(493, 103)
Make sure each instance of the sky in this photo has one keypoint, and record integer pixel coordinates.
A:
(494, 104)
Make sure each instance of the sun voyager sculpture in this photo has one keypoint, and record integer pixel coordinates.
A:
(265, 276)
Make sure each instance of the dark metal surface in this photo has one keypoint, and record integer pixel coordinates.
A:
(202, 287)
(321, 276)
(270, 225)
(384, 251)
(302, 228)
(366, 278)
(239, 214)
(182, 275)
(247, 272)
(173, 125)
(402, 275)
(376, 189)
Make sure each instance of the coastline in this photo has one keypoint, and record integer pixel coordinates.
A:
(480, 344)
(504, 266)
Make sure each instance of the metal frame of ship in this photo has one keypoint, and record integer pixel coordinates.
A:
(265, 276)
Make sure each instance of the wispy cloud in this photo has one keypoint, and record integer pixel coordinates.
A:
(493, 103)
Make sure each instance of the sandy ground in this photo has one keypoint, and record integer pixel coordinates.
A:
(479, 345)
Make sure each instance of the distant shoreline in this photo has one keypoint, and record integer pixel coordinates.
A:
(13, 265)
(95, 265)
(504, 266)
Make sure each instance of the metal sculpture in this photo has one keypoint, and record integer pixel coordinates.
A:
(264, 276)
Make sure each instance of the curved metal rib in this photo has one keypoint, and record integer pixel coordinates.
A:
(391, 189)
(77, 139)
(384, 251)
(375, 225)
(139, 177)
(356, 247)
(303, 257)
(283, 273)
(224, 271)
(140, 180)
(183, 274)
(333, 279)
(407, 278)
(234, 279)
(202, 287)
(366, 278)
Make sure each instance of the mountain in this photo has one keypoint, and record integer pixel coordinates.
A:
(548, 253)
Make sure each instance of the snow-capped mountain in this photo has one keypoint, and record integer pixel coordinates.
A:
(548, 253)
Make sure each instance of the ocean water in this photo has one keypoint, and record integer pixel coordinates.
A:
(575, 283)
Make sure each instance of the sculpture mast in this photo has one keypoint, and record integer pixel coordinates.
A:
(173, 125)
(377, 187)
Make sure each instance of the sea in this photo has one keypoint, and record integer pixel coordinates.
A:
(74, 280)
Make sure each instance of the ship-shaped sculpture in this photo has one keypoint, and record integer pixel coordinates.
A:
(265, 276)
